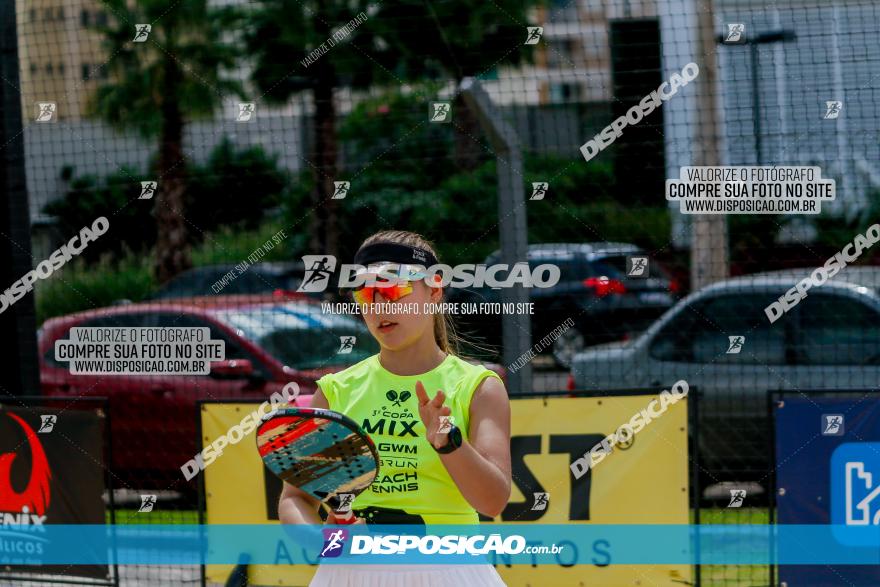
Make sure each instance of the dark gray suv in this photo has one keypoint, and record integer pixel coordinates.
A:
(597, 290)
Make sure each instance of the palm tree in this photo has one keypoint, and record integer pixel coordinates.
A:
(279, 35)
(402, 41)
(453, 40)
(156, 86)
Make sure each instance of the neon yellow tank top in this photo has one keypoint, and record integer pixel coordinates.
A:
(411, 476)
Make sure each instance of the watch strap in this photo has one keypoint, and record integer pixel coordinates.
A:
(454, 436)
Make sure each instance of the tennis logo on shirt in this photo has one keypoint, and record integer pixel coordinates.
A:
(393, 397)
(394, 422)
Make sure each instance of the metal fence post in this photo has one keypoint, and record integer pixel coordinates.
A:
(710, 260)
(512, 226)
(20, 375)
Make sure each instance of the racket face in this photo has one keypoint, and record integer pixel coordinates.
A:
(321, 452)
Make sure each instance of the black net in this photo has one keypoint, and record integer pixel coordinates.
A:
(212, 165)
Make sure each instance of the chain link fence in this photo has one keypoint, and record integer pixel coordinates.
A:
(224, 141)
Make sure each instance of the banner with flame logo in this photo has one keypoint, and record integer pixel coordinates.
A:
(51, 472)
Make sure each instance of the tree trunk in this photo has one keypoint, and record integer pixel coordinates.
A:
(323, 231)
(172, 242)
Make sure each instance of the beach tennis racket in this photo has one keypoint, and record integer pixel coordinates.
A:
(321, 452)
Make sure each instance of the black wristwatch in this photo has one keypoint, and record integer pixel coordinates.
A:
(454, 436)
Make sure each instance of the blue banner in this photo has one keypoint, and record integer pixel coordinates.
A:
(828, 472)
(518, 544)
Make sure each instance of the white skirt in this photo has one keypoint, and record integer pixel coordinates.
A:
(407, 576)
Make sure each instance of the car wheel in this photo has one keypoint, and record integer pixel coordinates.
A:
(567, 346)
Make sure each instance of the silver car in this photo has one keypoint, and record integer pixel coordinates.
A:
(829, 341)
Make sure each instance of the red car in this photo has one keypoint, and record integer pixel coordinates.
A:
(269, 343)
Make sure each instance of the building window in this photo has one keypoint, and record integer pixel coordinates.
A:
(59, 14)
(33, 15)
(33, 68)
(564, 93)
(561, 54)
(101, 18)
(49, 69)
(85, 71)
(562, 10)
(61, 68)
(84, 17)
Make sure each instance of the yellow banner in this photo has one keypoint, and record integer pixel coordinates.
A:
(644, 481)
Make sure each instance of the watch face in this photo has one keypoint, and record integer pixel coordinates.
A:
(454, 441)
(455, 436)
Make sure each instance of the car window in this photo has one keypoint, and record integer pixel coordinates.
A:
(616, 266)
(836, 330)
(570, 269)
(301, 336)
(187, 284)
(233, 350)
(132, 320)
(613, 266)
(672, 342)
(222, 280)
(710, 331)
(251, 281)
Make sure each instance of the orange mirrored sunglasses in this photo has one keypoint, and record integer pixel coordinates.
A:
(366, 294)
(391, 290)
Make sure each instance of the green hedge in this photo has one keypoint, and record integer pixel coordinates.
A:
(80, 286)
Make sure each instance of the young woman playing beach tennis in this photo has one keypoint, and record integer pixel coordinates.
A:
(441, 424)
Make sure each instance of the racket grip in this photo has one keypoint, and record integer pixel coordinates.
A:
(349, 518)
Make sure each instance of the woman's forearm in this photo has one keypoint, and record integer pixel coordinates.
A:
(296, 510)
(481, 482)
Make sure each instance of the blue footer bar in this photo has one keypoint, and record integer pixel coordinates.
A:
(527, 544)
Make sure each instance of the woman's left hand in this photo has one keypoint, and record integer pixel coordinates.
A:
(430, 411)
